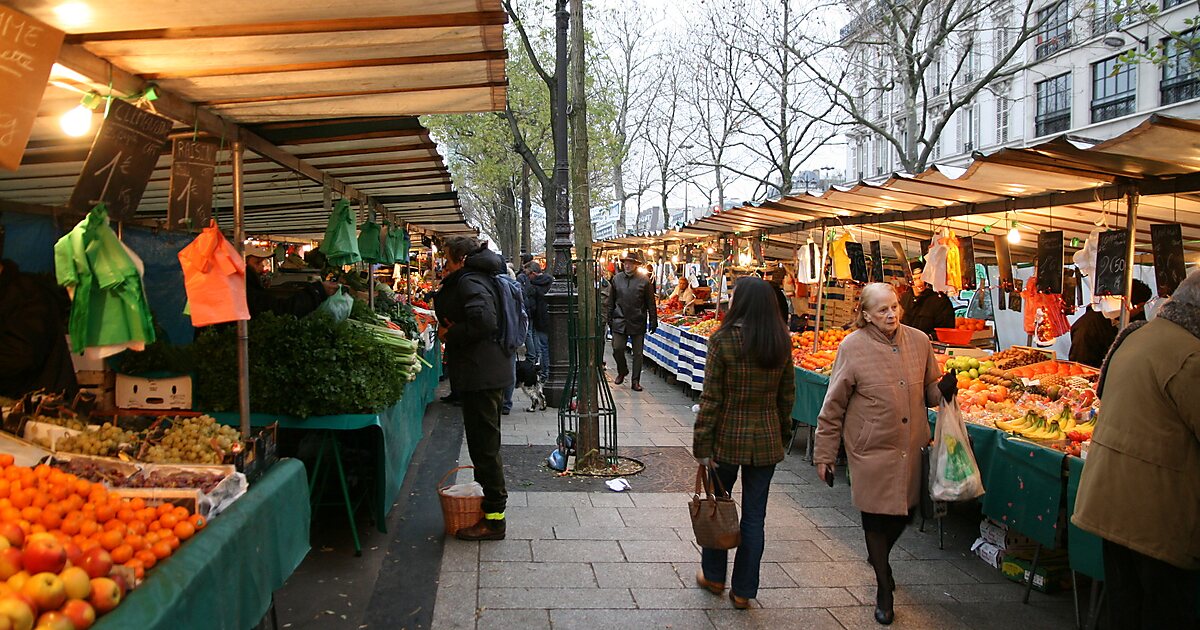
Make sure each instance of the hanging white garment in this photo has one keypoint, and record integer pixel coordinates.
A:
(810, 263)
(935, 265)
(1085, 258)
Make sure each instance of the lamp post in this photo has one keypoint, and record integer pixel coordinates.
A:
(560, 266)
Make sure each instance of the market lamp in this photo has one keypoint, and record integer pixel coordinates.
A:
(1014, 235)
(77, 122)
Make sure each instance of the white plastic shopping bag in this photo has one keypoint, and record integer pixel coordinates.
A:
(954, 473)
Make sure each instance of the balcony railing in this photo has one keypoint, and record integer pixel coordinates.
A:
(1053, 122)
(1048, 45)
(1179, 89)
(1113, 107)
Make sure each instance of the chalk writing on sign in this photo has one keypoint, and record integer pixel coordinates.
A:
(28, 49)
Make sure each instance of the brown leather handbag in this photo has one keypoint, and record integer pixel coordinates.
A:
(714, 518)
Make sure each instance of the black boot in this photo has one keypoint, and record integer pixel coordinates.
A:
(485, 529)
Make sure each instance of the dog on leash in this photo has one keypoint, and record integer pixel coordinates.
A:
(531, 384)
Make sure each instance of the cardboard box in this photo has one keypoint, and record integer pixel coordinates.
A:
(999, 535)
(136, 392)
(988, 552)
(1053, 573)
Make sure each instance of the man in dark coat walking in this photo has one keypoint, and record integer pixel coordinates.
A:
(33, 346)
(480, 370)
(536, 288)
(631, 313)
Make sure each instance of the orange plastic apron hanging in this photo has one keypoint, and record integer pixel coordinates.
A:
(214, 275)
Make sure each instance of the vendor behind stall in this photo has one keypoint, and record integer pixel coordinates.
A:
(922, 307)
(33, 346)
(298, 299)
(1094, 332)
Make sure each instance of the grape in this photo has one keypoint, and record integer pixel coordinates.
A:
(198, 440)
(105, 442)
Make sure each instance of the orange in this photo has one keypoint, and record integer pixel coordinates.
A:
(137, 528)
(52, 517)
(5, 488)
(83, 487)
(122, 554)
(21, 499)
(41, 499)
(31, 513)
(147, 557)
(6, 460)
(168, 521)
(154, 526)
(105, 513)
(139, 569)
(10, 515)
(137, 503)
(135, 541)
(111, 539)
(71, 526)
(184, 530)
(36, 528)
(151, 538)
(126, 514)
(42, 471)
(181, 513)
(88, 527)
(115, 525)
(172, 540)
(164, 508)
(161, 549)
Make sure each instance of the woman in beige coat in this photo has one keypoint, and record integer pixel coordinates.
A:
(884, 376)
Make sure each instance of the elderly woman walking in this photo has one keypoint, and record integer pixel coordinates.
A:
(884, 376)
(745, 422)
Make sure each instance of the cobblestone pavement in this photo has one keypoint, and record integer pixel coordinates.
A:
(628, 560)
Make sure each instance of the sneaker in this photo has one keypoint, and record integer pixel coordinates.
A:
(485, 529)
(505, 412)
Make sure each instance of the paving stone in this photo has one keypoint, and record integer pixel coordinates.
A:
(545, 574)
(766, 619)
(523, 619)
(543, 516)
(817, 597)
(610, 499)
(1005, 616)
(906, 594)
(780, 516)
(980, 570)
(505, 551)
(454, 607)
(656, 517)
(770, 574)
(593, 619)
(618, 533)
(526, 530)
(829, 517)
(660, 551)
(559, 499)
(793, 551)
(922, 617)
(790, 532)
(830, 573)
(517, 498)
(636, 575)
(1007, 592)
(571, 598)
(788, 477)
(460, 555)
(694, 598)
(928, 572)
(515, 439)
(577, 551)
(817, 497)
(660, 499)
(599, 517)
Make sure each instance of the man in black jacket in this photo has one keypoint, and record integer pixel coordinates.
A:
(631, 313)
(536, 288)
(479, 369)
(922, 307)
(33, 345)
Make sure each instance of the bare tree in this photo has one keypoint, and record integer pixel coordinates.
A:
(902, 70)
(788, 118)
(669, 131)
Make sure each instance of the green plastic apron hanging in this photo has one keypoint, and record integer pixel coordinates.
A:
(388, 255)
(340, 244)
(398, 238)
(368, 243)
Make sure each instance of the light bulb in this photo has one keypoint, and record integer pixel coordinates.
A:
(708, 249)
(76, 122)
(73, 14)
(675, 260)
(1014, 236)
(650, 251)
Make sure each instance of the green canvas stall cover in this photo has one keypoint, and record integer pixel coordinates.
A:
(340, 244)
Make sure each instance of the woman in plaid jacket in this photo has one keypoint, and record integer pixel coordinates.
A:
(745, 423)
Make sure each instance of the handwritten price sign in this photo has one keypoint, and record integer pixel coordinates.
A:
(28, 49)
(121, 161)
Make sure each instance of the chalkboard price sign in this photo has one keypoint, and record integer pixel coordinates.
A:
(876, 262)
(28, 49)
(193, 164)
(858, 261)
(1166, 240)
(1004, 262)
(121, 161)
(1111, 250)
(1050, 262)
(967, 247)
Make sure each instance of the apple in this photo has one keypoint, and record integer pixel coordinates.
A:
(46, 590)
(10, 562)
(81, 613)
(12, 533)
(18, 579)
(76, 582)
(5, 623)
(54, 620)
(105, 595)
(44, 554)
(74, 554)
(96, 562)
(19, 613)
(124, 578)
(4, 544)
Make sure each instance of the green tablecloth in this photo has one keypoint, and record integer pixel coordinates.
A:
(1086, 550)
(224, 577)
(810, 395)
(400, 426)
(1024, 484)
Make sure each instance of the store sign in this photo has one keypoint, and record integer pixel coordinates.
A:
(121, 160)
(1111, 250)
(1050, 262)
(193, 164)
(28, 49)
(1004, 262)
(1166, 241)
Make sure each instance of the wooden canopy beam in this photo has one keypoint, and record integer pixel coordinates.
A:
(485, 55)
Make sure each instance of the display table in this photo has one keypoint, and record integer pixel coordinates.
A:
(225, 576)
(662, 347)
(693, 353)
(400, 430)
(1085, 549)
(810, 395)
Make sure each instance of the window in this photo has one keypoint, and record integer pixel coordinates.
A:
(1106, 15)
(882, 148)
(1054, 34)
(968, 128)
(1114, 89)
(1053, 105)
(1167, 4)
(970, 66)
(1180, 73)
(1002, 37)
(860, 158)
(1003, 108)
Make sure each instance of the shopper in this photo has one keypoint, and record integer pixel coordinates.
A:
(631, 313)
(884, 376)
(296, 299)
(777, 278)
(480, 371)
(538, 308)
(745, 422)
(922, 307)
(33, 345)
(1140, 489)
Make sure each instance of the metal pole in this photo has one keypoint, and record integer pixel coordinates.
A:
(560, 260)
(370, 271)
(820, 295)
(1131, 203)
(243, 326)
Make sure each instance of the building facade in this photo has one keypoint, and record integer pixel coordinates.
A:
(1067, 79)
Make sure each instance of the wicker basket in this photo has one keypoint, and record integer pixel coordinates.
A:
(458, 512)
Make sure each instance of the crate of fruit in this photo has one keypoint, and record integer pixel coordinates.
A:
(110, 471)
(218, 486)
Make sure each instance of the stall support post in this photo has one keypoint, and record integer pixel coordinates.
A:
(370, 271)
(1131, 203)
(820, 295)
(243, 326)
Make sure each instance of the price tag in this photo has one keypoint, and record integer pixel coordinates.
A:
(28, 49)
(1111, 249)
(193, 164)
(121, 160)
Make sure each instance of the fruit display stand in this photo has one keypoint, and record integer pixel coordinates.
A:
(662, 347)
(399, 426)
(225, 575)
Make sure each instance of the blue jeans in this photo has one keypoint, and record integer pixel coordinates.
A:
(508, 391)
(541, 340)
(756, 482)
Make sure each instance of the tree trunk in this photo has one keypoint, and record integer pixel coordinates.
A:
(720, 188)
(526, 211)
(588, 437)
(619, 186)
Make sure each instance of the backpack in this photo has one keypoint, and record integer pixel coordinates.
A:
(514, 321)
